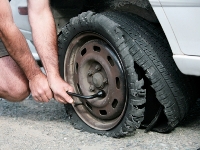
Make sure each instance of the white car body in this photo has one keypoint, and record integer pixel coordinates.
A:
(180, 22)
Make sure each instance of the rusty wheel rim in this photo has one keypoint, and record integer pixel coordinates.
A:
(91, 64)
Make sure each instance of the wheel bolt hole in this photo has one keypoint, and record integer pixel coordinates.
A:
(96, 48)
(117, 83)
(110, 61)
(83, 52)
(114, 103)
(103, 112)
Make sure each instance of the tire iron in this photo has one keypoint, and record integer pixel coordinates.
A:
(101, 94)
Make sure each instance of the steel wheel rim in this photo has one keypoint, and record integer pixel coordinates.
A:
(90, 64)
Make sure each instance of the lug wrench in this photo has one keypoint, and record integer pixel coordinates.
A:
(101, 94)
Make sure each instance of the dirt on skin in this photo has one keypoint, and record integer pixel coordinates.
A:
(32, 125)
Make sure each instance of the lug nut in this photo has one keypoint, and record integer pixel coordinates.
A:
(92, 88)
(105, 81)
(98, 67)
(90, 72)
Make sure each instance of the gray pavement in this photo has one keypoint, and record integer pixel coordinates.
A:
(37, 126)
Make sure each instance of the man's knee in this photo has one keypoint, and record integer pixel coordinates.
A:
(15, 92)
(13, 83)
(19, 93)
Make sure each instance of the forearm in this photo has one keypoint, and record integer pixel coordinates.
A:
(15, 42)
(45, 41)
(44, 36)
(18, 49)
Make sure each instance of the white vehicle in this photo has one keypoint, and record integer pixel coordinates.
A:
(142, 53)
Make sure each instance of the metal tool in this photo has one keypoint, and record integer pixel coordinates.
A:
(101, 94)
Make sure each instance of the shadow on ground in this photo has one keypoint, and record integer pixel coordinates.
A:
(54, 111)
(193, 119)
(32, 110)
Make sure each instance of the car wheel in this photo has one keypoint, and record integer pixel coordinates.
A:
(94, 54)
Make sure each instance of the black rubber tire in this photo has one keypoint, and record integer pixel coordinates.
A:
(152, 53)
(122, 43)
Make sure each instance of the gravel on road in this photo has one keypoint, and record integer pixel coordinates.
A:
(45, 126)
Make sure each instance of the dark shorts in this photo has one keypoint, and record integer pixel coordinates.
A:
(3, 51)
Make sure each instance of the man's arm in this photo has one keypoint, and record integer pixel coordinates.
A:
(15, 43)
(18, 49)
(45, 41)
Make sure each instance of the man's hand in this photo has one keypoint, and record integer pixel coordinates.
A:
(59, 88)
(40, 89)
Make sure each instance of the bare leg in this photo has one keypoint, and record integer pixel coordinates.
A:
(13, 83)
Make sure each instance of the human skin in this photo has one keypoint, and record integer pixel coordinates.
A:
(42, 87)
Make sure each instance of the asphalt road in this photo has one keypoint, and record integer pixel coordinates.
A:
(37, 126)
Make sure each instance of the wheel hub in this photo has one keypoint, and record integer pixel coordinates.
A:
(98, 80)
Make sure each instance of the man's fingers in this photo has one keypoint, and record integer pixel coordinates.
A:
(41, 98)
(60, 99)
(64, 98)
(44, 98)
(38, 98)
(68, 98)
(69, 89)
(35, 98)
(49, 94)
(59, 88)
(46, 93)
